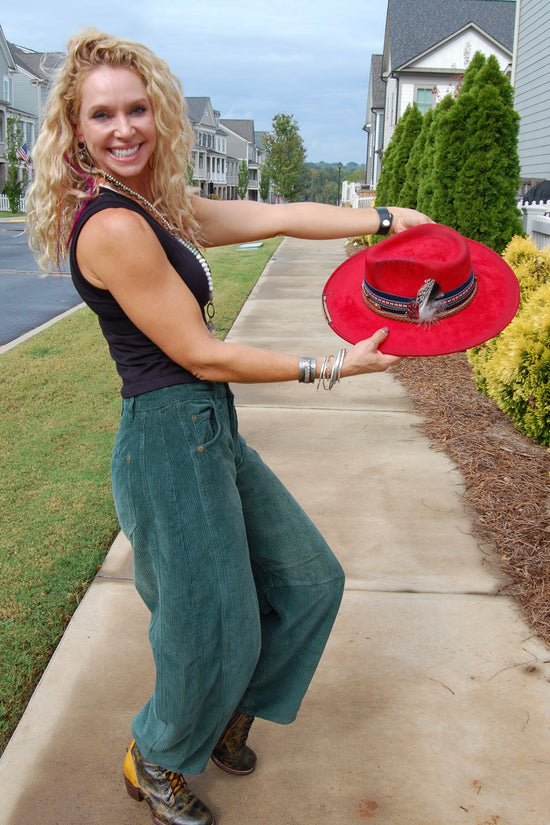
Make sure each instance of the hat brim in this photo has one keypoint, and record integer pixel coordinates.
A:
(493, 307)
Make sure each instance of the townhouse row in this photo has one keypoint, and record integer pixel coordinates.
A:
(220, 144)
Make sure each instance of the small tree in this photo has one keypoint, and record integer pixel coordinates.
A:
(409, 193)
(17, 179)
(489, 177)
(392, 176)
(285, 157)
(477, 62)
(427, 172)
(265, 183)
(451, 133)
(243, 180)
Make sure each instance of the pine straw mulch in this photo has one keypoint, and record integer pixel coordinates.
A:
(506, 476)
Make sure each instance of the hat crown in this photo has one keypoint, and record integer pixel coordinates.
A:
(409, 258)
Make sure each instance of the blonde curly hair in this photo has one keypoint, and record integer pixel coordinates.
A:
(62, 178)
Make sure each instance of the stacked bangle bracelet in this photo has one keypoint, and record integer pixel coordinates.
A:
(307, 370)
(329, 374)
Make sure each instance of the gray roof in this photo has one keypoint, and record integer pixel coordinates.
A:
(378, 87)
(38, 64)
(244, 128)
(195, 107)
(415, 26)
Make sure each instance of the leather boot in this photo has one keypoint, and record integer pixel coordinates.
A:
(169, 798)
(232, 754)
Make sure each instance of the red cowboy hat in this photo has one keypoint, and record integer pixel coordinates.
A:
(436, 291)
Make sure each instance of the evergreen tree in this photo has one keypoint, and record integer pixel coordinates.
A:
(449, 148)
(385, 181)
(411, 129)
(488, 180)
(392, 176)
(490, 74)
(427, 172)
(285, 157)
(476, 63)
(409, 192)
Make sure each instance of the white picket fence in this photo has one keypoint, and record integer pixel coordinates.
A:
(5, 204)
(536, 222)
(352, 195)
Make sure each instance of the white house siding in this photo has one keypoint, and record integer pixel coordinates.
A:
(457, 52)
(407, 96)
(391, 115)
(441, 69)
(532, 88)
(377, 138)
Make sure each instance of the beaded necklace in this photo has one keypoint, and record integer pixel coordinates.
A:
(154, 212)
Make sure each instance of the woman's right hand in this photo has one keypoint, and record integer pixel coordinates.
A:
(366, 357)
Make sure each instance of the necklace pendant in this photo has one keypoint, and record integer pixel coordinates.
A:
(210, 311)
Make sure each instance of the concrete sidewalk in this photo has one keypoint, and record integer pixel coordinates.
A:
(431, 705)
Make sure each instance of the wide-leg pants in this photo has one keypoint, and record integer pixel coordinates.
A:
(242, 588)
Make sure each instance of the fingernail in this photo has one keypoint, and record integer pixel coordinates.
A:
(385, 330)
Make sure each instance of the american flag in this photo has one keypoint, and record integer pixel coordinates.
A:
(22, 153)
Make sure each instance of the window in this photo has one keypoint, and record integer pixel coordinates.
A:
(424, 99)
(6, 89)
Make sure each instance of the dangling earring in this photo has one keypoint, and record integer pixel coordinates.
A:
(84, 156)
(80, 163)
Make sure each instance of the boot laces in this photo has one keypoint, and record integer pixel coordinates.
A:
(169, 784)
(176, 780)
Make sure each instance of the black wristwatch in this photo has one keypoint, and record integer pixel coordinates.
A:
(386, 219)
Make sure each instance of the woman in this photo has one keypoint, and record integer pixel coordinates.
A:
(241, 587)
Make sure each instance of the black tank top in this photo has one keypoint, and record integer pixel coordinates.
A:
(140, 363)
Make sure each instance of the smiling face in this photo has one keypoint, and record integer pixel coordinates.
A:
(116, 122)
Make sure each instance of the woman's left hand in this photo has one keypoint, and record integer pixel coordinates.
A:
(406, 218)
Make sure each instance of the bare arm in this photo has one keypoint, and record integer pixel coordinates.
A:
(228, 222)
(117, 250)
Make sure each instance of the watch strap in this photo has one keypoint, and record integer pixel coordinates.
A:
(386, 219)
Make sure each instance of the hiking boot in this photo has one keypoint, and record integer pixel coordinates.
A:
(232, 754)
(169, 798)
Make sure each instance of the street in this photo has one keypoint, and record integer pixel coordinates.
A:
(28, 300)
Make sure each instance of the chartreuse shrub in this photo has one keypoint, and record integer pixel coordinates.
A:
(531, 265)
(514, 367)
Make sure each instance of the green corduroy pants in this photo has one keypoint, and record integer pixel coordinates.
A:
(242, 588)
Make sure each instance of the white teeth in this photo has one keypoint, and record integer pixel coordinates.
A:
(124, 153)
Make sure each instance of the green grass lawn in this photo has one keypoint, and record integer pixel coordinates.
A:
(59, 409)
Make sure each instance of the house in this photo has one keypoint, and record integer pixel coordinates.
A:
(31, 82)
(530, 73)
(26, 78)
(7, 107)
(209, 154)
(374, 122)
(220, 147)
(428, 45)
(242, 144)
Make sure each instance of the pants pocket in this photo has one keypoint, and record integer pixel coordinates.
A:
(122, 494)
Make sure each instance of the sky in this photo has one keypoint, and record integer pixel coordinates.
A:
(253, 59)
